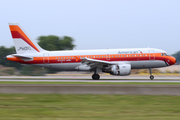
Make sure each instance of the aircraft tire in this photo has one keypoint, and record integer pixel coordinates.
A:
(95, 76)
(151, 77)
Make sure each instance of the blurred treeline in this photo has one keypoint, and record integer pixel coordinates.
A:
(177, 56)
(50, 43)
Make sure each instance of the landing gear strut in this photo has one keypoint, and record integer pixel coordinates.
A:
(151, 76)
(95, 76)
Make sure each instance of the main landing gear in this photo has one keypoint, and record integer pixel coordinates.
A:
(151, 76)
(95, 76)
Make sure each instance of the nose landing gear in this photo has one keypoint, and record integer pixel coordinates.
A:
(151, 76)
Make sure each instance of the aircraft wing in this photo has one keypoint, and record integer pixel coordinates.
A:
(92, 63)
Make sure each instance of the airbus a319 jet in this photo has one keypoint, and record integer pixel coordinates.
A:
(117, 62)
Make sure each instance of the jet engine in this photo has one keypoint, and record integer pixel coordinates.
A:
(120, 70)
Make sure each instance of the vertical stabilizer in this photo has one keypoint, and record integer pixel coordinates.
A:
(22, 42)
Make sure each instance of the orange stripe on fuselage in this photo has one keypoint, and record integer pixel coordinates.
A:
(27, 40)
(76, 59)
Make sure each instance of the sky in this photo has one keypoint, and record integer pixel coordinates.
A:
(97, 24)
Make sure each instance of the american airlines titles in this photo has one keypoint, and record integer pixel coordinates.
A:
(128, 52)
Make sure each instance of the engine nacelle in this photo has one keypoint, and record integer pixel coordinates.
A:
(122, 70)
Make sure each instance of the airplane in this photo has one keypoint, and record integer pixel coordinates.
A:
(118, 62)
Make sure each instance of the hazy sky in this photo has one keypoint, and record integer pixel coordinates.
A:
(97, 24)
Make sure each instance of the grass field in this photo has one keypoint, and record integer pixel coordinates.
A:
(88, 107)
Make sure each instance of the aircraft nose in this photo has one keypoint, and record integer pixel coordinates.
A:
(173, 59)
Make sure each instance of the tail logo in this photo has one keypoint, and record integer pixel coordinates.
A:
(18, 33)
(23, 48)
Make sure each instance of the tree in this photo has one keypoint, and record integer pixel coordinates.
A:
(32, 71)
(177, 56)
(7, 51)
(52, 42)
(47, 42)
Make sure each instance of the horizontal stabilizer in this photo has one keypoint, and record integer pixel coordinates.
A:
(22, 56)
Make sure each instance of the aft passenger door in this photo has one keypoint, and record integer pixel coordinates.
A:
(46, 58)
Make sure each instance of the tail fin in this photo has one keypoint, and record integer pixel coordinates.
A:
(22, 42)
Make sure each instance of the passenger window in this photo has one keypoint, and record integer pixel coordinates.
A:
(112, 55)
(161, 54)
(132, 55)
(127, 55)
(140, 55)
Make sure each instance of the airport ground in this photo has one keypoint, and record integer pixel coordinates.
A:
(88, 107)
(63, 106)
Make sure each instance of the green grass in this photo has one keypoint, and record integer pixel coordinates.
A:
(88, 107)
(131, 83)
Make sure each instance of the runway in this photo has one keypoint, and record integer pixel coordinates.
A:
(78, 88)
(85, 78)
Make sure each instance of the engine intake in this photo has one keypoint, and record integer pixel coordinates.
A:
(122, 70)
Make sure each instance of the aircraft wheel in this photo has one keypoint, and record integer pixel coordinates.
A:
(151, 77)
(95, 76)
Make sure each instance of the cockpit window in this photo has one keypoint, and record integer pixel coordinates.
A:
(164, 54)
